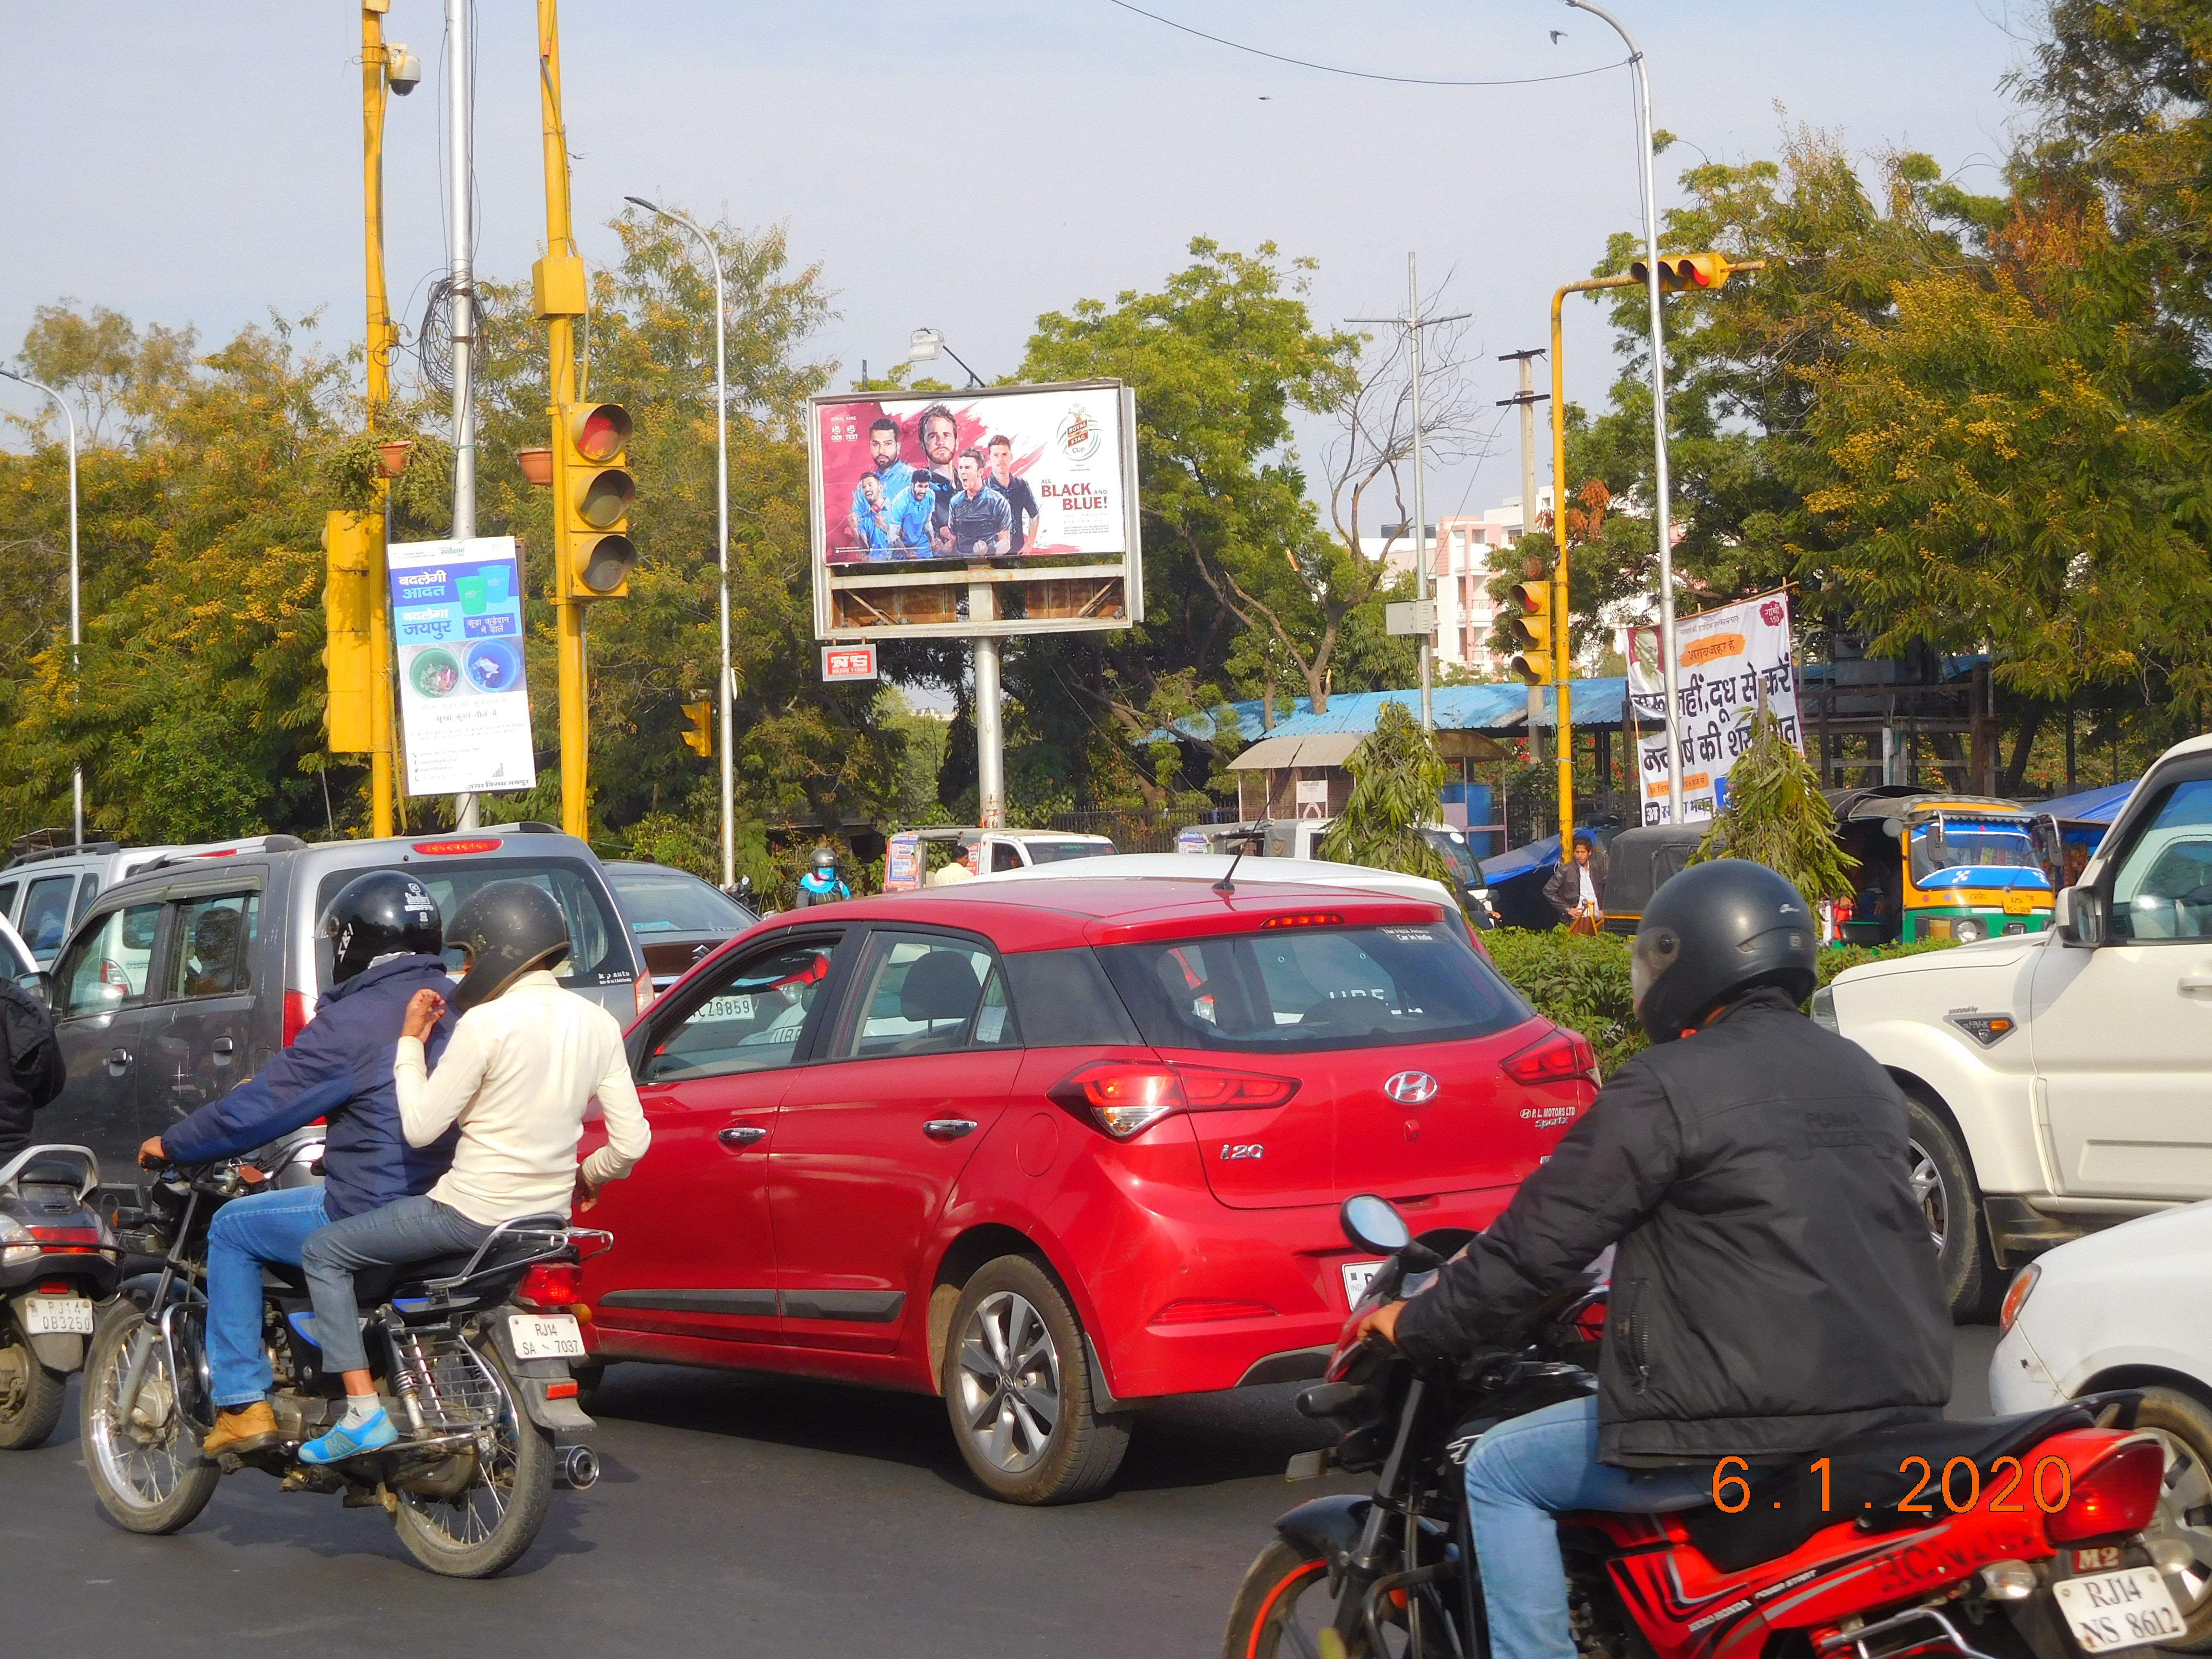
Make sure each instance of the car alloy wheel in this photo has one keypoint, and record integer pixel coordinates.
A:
(1928, 1191)
(1009, 1379)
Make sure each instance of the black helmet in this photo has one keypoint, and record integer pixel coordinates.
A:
(506, 928)
(383, 913)
(1713, 932)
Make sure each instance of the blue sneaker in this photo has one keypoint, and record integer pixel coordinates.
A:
(341, 1442)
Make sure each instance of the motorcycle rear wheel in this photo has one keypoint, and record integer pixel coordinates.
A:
(30, 1394)
(147, 1474)
(495, 1518)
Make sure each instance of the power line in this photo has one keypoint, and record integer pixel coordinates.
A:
(1361, 74)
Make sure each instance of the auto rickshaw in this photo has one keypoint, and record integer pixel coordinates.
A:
(1931, 865)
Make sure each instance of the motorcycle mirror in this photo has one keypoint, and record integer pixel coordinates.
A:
(1372, 1225)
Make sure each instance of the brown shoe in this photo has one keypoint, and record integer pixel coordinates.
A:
(248, 1429)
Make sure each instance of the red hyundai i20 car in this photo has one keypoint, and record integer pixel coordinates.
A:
(1054, 1150)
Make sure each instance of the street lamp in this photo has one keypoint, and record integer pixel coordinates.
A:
(721, 527)
(1667, 667)
(927, 342)
(76, 774)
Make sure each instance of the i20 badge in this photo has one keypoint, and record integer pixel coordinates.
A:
(1411, 1088)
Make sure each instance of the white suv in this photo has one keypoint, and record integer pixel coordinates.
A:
(2061, 1081)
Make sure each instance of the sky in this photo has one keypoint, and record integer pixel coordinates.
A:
(964, 169)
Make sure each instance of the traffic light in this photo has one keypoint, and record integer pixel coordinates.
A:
(700, 739)
(1532, 631)
(1684, 273)
(349, 598)
(596, 492)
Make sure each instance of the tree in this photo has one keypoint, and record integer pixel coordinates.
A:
(1775, 816)
(1397, 780)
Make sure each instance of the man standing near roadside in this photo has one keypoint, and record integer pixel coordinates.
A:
(1021, 500)
(978, 523)
(890, 474)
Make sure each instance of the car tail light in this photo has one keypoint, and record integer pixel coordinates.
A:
(1205, 1313)
(551, 1285)
(1126, 1097)
(1306, 919)
(297, 1013)
(646, 993)
(1560, 1056)
(2016, 1297)
(2118, 1495)
(439, 849)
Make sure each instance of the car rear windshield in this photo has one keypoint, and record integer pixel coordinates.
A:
(1053, 852)
(1293, 990)
(670, 902)
(598, 953)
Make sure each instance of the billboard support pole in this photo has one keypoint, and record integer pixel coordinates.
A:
(990, 733)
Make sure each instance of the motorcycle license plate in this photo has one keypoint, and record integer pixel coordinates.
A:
(2108, 1611)
(57, 1315)
(1358, 1276)
(546, 1336)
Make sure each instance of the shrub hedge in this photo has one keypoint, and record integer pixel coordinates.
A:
(1583, 983)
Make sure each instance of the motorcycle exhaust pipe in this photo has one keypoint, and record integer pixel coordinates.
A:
(579, 1467)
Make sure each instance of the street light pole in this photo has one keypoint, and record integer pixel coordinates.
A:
(460, 184)
(721, 531)
(76, 774)
(1667, 671)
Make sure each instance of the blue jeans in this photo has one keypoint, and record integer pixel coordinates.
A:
(246, 1232)
(1521, 1474)
(411, 1229)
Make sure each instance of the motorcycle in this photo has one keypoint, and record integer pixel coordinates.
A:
(2014, 1538)
(58, 1259)
(470, 1354)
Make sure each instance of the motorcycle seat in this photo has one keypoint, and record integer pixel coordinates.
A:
(411, 1279)
(1865, 1483)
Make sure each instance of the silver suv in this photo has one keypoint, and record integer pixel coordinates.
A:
(183, 980)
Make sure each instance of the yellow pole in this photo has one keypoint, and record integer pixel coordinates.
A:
(560, 331)
(383, 339)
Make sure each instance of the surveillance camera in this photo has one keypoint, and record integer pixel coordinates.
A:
(402, 70)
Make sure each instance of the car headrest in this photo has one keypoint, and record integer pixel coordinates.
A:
(942, 985)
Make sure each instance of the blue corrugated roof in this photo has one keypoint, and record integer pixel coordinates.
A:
(1499, 708)
(2091, 805)
(1203, 728)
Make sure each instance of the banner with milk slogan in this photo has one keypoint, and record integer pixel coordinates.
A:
(464, 705)
(1730, 662)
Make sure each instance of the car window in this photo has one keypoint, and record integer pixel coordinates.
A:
(925, 995)
(670, 902)
(87, 889)
(107, 967)
(46, 913)
(1295, 989)
(2163, 887)
(211, 945)
(751, 1018)
(1053, 852)
(8, 890)
(598, 950)
(14, 962)
(1005, 857)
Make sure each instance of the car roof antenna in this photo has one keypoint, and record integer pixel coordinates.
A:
(1227, 885)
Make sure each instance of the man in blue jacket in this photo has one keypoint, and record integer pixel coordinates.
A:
(386, 936)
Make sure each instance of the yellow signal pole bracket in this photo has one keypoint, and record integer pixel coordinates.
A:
(699, 738)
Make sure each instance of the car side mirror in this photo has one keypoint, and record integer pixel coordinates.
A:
(1371, 1223)
(39, 984)
(2078, 917)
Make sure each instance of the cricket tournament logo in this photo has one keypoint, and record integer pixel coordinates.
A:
(1078, 435)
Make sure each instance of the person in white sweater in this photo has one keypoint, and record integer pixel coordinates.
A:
(525, 1059)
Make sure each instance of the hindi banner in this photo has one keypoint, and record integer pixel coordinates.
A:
(1730, 662)
(464, 705)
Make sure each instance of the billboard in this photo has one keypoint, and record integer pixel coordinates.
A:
(1012, 510)
(463, 701)
(1730, 662)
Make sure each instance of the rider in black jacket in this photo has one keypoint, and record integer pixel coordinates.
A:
(31, 1069)
(1773, 1289)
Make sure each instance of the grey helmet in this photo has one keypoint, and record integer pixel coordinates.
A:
(505, 928)
(1713, 932)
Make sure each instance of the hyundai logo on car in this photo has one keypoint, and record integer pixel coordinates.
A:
(1411, 1088)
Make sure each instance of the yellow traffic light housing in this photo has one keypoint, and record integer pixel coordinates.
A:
(1533, 631)
(700, 739)
(352, 548)
(595, 492)
(1684, 273)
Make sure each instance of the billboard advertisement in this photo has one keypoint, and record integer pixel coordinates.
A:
(1730, 662)
(1010, 510)
(464, 699)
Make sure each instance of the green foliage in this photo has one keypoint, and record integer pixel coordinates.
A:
(1397, 780)
(1775, 816)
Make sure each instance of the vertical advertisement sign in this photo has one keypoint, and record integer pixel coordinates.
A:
(1732, 662)
(463, 704)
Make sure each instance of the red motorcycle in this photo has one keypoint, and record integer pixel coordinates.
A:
(2013, 1538)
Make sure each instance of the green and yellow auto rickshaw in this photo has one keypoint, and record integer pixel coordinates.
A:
(1932, 865)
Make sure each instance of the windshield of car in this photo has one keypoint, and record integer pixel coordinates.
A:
(597, 952)
(1052, 852)
(670, 902)
(1948, 852)
(1292, 990)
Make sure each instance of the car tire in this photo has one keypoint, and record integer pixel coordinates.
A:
(1943, 1181)
(2184, 1426)
(1013, 1356)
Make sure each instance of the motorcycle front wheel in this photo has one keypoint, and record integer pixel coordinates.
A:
(145, 1466)
(484, 1528)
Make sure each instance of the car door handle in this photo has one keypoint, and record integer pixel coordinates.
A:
(742, 1134)
(118, 1060)
(2195, 984)
(949, 1128)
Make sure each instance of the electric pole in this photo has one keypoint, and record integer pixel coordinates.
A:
(462, 230)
